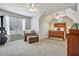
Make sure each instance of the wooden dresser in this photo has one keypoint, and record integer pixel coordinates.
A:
(73, 42)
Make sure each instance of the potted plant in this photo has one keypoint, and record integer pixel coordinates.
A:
(75, 26)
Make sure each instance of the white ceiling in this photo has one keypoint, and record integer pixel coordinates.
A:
(56, 6)
(21, 8)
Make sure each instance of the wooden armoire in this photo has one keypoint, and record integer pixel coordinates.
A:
(73, 42)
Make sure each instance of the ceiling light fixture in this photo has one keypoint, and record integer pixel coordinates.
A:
(32, 7)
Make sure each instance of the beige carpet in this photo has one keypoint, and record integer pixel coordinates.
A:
(45, 47)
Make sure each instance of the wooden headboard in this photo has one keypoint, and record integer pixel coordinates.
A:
(60, 25)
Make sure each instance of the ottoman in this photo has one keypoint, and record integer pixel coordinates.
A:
(32, 39)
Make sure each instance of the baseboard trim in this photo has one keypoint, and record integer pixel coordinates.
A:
(43, 37)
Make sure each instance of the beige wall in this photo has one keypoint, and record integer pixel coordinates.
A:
(44, 19)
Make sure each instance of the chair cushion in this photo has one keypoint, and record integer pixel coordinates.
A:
(31, 37)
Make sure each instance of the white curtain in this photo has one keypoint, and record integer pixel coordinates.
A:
(24, 28)
(7, 25)
(16, 25)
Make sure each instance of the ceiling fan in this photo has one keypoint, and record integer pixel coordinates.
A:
(33, 7)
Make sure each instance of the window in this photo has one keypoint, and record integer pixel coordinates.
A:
(17, 25)
(28, 23)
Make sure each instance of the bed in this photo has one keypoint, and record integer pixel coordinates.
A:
(59, 32)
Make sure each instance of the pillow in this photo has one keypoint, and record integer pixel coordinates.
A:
(61, 29)
(27, 31)
(55, 28)
(58, 28)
